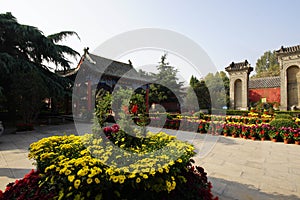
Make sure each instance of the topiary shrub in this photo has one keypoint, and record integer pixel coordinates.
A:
(283, 116)
(283, 122)
(199, 114)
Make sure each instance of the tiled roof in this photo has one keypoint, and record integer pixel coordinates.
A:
(288, 49)
(107, 67)
(238, 66)
(266, 82)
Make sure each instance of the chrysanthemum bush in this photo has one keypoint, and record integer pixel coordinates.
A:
(91, 167)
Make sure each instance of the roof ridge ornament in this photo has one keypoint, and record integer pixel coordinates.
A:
(86, 54)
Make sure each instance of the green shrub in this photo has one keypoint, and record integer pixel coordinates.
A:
(237, 112)
(292, 113)
(199, 114)
(279, 123)
(283, 116)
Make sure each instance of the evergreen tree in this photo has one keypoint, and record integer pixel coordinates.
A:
(25, 49)
(167, 84)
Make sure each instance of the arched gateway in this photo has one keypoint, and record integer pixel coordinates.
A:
(289, 61)
(239, 81)
(283, 89)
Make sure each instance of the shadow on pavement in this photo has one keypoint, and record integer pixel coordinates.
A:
(14, 173)
(226, 141)
(229, 190)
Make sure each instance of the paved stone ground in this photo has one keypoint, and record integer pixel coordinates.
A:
(238, 169)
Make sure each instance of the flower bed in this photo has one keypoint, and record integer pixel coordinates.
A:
(111, 166)
(253, 126)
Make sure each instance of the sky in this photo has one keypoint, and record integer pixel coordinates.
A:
(227, 31)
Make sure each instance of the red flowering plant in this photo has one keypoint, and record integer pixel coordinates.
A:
(254, 130)
(263, 131)
(246, 131)
(286, 132)
(225, 128)
(29, 188)
(203, 126)
(273, 133)
(296, 134)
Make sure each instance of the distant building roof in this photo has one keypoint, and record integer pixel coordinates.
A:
(291, 49)
(265, 82)
(239, 66)
(105, 66)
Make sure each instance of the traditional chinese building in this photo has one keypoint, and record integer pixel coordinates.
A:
(94, 73)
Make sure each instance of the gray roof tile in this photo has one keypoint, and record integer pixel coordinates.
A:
(265, 82)
(288, 49)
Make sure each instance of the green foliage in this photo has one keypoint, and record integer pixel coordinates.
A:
(281, 122)
(237, 112)
(211, 92)
(191, 100)
(29, 90)
(203, 95)
(216, 86)
(167, 84)
(283, 116)
(199, 115)
(267, 65)
(292, 113)
(25, 49)
(103, 107)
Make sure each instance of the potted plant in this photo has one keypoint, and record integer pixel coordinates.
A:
(263, 132)
(273, 134)
(245, 131)
(286, 134)
(253, 132)
(296, 137)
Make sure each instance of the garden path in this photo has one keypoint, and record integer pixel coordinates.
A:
(238, 169)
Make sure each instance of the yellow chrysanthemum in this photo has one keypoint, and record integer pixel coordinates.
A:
(71, 178)
(97, 181)
(145, 176)
(89, 180)
(77, 183)
(138, 180)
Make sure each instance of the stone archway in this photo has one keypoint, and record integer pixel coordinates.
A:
(239, 81)
(289, 62)
(293, 75)
(238, 99)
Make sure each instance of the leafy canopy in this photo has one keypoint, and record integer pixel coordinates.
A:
(267, 65)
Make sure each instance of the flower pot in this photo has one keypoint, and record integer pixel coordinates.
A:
(263, 139)
(297, 142)
(234, 136)
(274, 140)
(244, 136)
(241, 135)
(225, 134)
(253, 138)
(286, 141)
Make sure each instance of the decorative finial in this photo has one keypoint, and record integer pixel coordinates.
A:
(86, 51)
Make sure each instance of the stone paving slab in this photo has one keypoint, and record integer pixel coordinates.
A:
(238, 168)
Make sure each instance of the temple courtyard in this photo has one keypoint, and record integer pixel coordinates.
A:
(238, 168)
